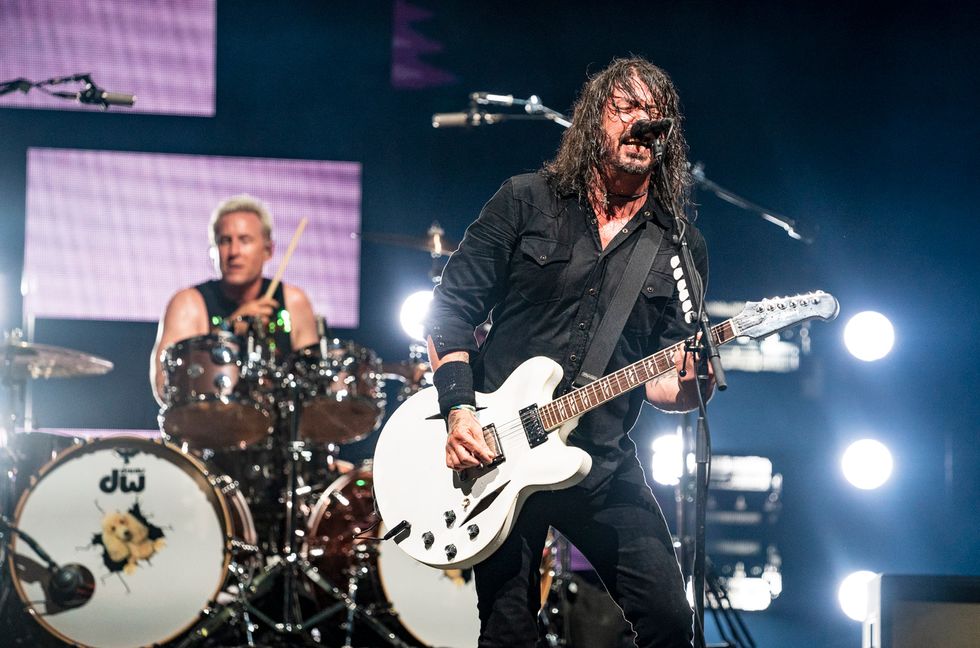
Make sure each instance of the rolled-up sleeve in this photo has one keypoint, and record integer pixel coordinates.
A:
(476, 275)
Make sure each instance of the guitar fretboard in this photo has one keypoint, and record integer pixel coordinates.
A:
(603, 390)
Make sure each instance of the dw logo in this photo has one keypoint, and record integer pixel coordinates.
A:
(110, 483)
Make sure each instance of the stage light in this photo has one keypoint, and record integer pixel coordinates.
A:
(867, 464)
(413, 312)
(853, 594)
(869, 336)
(667, 462)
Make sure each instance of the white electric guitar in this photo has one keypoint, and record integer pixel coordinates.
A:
(454, 519)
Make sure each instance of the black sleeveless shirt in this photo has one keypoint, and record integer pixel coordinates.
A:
(220, 307)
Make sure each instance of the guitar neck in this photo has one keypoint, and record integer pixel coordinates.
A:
(581, 400)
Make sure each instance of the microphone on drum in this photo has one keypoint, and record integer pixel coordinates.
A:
(70, 585)
(323, 332)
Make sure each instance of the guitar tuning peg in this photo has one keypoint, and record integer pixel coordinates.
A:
(675, 261)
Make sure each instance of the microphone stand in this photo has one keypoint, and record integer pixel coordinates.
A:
(706, 352)
(787, 224)
(475, 115)
(89, 94)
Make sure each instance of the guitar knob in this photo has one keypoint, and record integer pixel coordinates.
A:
(473, 530)
(450, 551)
(428, 539)
(450, 518)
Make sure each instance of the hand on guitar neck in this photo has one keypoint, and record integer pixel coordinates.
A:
(676, 391)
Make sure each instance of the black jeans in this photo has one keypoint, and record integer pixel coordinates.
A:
(621, 530)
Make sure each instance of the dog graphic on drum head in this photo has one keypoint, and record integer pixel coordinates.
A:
(127, 538)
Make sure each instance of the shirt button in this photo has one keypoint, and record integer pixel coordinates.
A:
(543, 257)
(646, 213)
(573, 357)
(581, 326)
(592, 291)
(649, 289)
(626, 230)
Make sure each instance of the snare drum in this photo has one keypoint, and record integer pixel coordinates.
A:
(421, 604)
(341, 391)
(153, 527)
(216, 396)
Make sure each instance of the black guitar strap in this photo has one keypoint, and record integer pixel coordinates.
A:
(612, 323)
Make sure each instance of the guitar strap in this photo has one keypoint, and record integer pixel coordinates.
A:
(614, 319)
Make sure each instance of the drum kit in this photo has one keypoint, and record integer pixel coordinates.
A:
(239, 526)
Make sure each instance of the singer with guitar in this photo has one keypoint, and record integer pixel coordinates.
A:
(544, 261)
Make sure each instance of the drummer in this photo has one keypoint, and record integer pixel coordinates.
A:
(240, 232)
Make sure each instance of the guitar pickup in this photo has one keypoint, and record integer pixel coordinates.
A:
(493, 442)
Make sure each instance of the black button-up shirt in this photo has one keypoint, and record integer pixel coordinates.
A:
(534, 264)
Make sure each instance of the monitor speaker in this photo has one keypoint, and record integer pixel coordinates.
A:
(922, 612)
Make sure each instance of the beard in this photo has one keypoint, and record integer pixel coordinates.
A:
(622, 160)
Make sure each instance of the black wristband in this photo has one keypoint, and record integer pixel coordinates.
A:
(454, 384)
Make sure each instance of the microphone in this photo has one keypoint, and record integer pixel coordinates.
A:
(646, 129)
(72, 585)
(93, 94)
(491, 99)
(457, 119)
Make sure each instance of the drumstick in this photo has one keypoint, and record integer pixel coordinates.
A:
(285, 261)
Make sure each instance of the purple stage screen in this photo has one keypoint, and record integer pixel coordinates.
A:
(111, 236)
(163, 52)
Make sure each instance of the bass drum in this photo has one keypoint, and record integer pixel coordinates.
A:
(423, 605)
(155, 530)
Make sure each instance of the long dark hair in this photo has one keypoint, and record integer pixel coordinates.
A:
(575, 168)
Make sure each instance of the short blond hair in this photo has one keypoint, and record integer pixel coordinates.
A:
(240, 203)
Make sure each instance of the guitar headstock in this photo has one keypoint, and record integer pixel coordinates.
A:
(762, 318)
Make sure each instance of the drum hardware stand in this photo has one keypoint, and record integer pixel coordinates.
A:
(288, 566)
(291, 563)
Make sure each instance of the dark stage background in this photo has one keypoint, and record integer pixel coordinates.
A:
(859, 121)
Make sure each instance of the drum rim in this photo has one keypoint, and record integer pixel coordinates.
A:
(214, 335)
(63, 456)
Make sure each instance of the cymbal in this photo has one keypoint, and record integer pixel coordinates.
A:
(411, 373)
(434, 242)
(20, 360)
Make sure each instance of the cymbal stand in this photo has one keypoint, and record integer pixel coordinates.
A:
(16, 392)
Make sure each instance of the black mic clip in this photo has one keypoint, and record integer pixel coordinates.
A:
(71, 585)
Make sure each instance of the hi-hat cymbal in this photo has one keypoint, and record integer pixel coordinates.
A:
(434, 242)
(20, 360)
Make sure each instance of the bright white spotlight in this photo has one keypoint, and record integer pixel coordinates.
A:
(667, 463)
(867, 464)
(869, 336)
(414, 309)
(853, 594)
